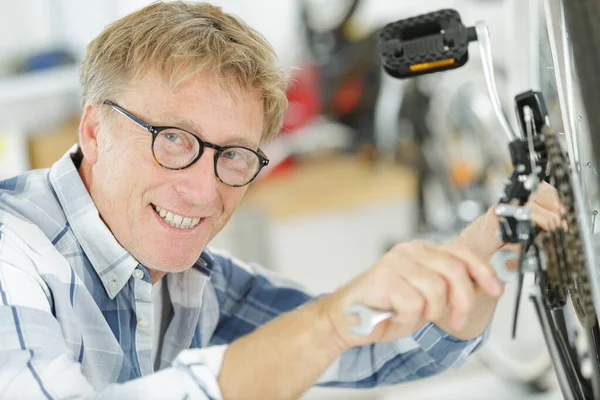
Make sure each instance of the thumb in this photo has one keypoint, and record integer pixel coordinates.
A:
(512, 264)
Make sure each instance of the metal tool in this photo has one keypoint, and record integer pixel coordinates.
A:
(369, 318)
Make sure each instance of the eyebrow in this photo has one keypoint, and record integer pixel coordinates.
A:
(194, 126)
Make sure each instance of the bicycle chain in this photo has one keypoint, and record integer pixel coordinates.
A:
(556, 271)
(566, 255)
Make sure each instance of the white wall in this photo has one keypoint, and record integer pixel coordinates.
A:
(32, 24)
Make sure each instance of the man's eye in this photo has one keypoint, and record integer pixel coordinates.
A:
(231, 154)
(173, 137)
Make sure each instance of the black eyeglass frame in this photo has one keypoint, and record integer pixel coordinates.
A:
(156, 130)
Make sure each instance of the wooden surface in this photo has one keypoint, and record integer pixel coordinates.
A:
(47, 147)
(330, 183)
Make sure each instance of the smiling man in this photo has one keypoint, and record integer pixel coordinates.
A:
(108, 289)
(178, 182)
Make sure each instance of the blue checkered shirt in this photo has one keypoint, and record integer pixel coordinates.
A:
(76, 320)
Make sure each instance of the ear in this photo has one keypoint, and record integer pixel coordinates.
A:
(89, 129)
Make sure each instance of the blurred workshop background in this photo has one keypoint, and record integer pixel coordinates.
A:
(363, 161)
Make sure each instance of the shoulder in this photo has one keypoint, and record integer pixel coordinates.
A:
(227, 271)
(30, 198)
(224, 269)
(24, 245)
(31, 218)
(27, 258)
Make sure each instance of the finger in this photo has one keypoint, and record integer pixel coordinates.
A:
(547, 197)
(514, 247)
(544, 218)
(545, 189)
(433, 288)
(480, 271)
(408, 304)
(460, 289)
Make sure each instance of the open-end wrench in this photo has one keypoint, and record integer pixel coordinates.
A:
(369, 318)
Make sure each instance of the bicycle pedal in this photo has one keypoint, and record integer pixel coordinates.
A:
(424, 44)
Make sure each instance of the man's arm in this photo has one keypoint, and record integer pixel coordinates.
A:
(452, 285)
(480, 237)
(285, 357)
(297, 350)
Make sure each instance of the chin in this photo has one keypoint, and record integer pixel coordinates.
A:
(169, 263)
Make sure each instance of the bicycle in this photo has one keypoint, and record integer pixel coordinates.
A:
(562, 262)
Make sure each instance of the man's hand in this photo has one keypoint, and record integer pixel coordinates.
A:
(418, 281)
(441, 283)
(452, 285)
(480, 235)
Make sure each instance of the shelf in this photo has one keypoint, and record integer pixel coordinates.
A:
(39, 84)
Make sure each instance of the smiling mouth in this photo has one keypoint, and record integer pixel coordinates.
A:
(175, 220)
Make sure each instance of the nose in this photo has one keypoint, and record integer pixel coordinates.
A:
(197, 184)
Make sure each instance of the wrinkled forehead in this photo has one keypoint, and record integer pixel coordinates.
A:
(177, 75)
(202, 103)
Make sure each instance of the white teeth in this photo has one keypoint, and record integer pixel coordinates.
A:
(175, 220)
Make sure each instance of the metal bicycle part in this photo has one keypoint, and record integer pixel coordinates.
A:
(556, 272)
(505, 275)
(483, 37)
(562, 368)
(561, 55)
(579, 280)
(525, 359)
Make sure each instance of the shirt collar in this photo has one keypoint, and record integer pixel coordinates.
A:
(113, 264)
(205, 263)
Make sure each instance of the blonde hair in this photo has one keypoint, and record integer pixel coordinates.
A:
(178, 40)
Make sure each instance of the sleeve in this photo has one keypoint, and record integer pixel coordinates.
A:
(249, 296)
(35, 362)
(427, 352)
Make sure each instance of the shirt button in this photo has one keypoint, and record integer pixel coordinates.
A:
(138, 273)
(112, 285)
(142, 324)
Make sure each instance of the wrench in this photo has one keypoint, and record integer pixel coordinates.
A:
(370, 317)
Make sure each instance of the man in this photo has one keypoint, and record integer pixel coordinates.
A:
(107, 287)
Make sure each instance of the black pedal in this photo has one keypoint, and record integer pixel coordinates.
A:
(425, 44)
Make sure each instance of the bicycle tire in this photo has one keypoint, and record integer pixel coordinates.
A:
(582, 19)
(582, 22)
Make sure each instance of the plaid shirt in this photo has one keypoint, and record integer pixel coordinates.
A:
(76, 313)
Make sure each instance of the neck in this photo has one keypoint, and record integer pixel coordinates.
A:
(85, 172)
(156, 275)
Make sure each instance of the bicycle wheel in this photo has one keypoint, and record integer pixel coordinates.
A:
(576, 47)
(583, 23)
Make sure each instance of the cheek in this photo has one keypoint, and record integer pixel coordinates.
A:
(231, 198)
(126, 171)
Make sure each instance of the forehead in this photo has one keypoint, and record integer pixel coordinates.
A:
(218, 112)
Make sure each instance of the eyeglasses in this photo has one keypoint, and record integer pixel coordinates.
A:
(175, 148)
